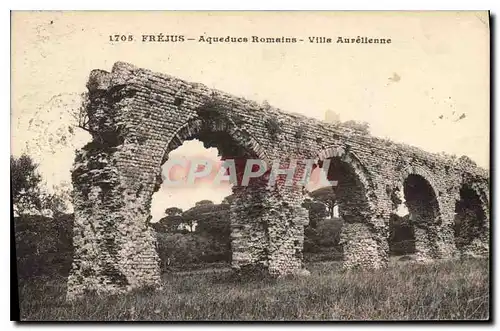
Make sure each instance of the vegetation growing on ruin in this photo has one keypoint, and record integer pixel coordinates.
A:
(273, 126)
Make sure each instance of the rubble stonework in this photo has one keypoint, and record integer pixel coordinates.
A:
(138, 117)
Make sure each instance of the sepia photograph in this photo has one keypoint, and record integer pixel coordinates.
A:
(250, 165)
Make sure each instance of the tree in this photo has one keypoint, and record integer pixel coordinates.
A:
(59, 201)
(401, 235)
(80, 114)
(208, 217)
(204, 202)
(212, 221)
(181, 249)
(171, 222)
(57, 128)
(44, 245)
(317, 211)
(28, 195)
(229, 199)
(329, 232)
(55, 203)
(327, 196)
(25, 179)
(206, 237)
(173, 211)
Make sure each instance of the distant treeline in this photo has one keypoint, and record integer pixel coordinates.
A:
(197, 236)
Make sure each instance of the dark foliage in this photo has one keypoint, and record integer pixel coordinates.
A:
(25, 181)
(201, 234)
(327, 196)
(44, 246)
(401, 235)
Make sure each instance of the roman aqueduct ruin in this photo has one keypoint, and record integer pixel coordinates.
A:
(137, 117)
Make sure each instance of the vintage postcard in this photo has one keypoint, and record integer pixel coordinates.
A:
(251, 166)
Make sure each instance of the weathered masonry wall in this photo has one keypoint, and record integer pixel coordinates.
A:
(137, 117)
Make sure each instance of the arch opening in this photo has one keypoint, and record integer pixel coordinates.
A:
(198, 229)
(420, 200)
(470, 217)
(423, 215)
(401, 230)
(401, 235)
(350, 192)
(331, 206)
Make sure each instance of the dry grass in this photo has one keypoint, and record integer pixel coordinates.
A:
(444, 290)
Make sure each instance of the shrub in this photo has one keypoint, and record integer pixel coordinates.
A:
(179, 249)
(44, 246)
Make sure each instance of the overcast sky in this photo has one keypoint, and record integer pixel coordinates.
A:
(414, 90)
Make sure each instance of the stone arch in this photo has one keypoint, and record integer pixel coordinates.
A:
(349, 164)
(249, 225)
(471, 221)
(481, 189)
(362, 233)
(193, 126)
(426, 175)
(217, 125)
(352, 159)
(424, 208)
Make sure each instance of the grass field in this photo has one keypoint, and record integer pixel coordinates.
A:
(443, 290)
